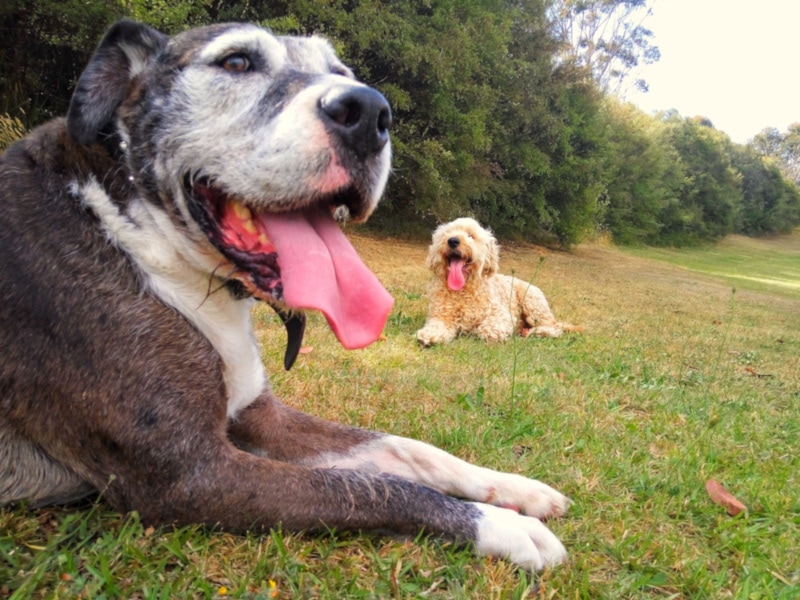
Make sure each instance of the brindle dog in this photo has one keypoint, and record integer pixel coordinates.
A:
(192, 176)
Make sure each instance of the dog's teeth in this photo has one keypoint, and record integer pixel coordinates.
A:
(263, 239)
(249, 226)
(241, 211)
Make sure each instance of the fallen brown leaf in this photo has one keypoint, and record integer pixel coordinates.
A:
(755, 373)
(305, 350)
(719, 495)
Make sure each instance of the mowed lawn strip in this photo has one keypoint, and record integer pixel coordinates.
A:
(771, 264)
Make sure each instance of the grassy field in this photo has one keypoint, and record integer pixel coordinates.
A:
(755, 264)
(688, 370)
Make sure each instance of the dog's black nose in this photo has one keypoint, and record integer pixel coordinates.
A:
(360, 117)
(453, 242)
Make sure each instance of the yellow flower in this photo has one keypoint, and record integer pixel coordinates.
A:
(222, 590)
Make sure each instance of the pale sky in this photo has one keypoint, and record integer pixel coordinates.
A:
(736, 62)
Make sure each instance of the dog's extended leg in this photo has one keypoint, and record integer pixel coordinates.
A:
(436, 331)
(270, 428)
(538, 319)
(428, 465)
(241, 491)
(280, 432)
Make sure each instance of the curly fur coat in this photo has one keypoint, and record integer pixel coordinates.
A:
(468, 295)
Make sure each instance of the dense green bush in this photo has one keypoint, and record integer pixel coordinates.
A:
(490, 119)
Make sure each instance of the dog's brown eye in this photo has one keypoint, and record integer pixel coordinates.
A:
(236, 63)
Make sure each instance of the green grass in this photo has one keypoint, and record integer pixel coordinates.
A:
(685, 372)
(757, 264)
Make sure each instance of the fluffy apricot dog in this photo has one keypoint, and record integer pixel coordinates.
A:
(468, 295)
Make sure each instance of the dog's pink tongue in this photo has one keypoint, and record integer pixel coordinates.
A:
(455, 274)
(321, 270)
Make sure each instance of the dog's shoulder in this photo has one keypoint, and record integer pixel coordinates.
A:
(57, 259)
(48, 147)
(43, 170)
(53, 254)
(33, 145)
(24, 162)
(40, 218)
(73, 304)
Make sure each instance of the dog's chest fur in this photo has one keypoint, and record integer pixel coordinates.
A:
(166, 260)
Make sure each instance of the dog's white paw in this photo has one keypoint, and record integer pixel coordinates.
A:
(425, 337)
(527, 496)
(525, 541)
(428, 336)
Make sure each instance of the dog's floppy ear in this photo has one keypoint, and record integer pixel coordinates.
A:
(492, 262)
(433, 260)
(122, 54)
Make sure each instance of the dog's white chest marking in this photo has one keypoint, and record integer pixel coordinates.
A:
(166, 258)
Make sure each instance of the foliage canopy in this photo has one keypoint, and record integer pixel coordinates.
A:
(501, 108)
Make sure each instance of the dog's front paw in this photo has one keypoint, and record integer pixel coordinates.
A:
(525, 541)
(425, 337)
(428, 336)
(527, 496)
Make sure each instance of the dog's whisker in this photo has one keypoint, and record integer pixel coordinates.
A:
(222, 281)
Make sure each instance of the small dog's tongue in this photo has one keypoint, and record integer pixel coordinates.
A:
(321, 270)
(455, 274)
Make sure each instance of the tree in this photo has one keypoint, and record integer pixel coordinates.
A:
(711, 194)
(489, 119)
(43, 47)
(607, 37)
(770, 203)
(575, 181)
(644, 174)
(46, 43)
(790, 153)
(782, 147)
